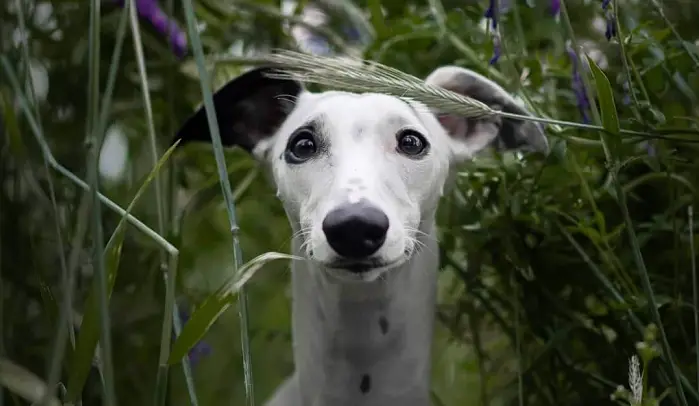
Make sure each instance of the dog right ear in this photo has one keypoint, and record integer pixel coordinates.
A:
(469, 136)
(249, 109)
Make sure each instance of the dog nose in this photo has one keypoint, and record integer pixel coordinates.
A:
(356, 230)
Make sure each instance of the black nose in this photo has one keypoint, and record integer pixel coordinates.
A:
(355, 230)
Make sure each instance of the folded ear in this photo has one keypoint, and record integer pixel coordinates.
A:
(472, 135)
(249, 109)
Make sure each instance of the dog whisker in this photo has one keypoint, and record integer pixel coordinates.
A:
(420, 233)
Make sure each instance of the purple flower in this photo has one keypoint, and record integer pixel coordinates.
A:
(555, 7)
(352, 33)
(198, 352)
(316, 45)
(611, 26)
(611, 23)
(492, 13)
(578, 86)
(650, 149)
(201, 349)
(150, 11)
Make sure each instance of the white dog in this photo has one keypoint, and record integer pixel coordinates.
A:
(360, 177)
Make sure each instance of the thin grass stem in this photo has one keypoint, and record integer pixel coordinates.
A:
(169, 277)
(628, 63)
(648, 288)
(695, 285)
(226, 189)
(148, 109)
(94, 138)
(170, 125)
(685, 47)
(186, 367)
(167, 267)
(9, 72)
(64, 323)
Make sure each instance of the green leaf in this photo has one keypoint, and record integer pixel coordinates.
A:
(24, 383)
(216, 303)
(87, 339)
(437, 10)
(11, 125)
(610, 120)
(377, 19)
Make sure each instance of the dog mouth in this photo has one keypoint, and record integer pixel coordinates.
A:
(358, 267)
(363, 270)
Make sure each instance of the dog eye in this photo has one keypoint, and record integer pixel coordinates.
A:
(301, 147)
(411, 142)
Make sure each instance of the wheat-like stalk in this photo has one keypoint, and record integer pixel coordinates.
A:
(357, 75)
(635, 380)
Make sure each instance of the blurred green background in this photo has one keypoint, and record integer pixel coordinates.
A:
(545, 290)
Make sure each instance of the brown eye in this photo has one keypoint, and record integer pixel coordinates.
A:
(301, 147)
(411, 143)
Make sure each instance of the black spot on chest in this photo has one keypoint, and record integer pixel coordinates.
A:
(358, 132)
(383, 325)
(365, 384)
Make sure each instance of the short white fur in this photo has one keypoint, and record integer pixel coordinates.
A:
(364, 339)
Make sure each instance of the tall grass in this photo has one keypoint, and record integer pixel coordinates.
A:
(570, 259)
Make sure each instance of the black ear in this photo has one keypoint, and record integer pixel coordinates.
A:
(473, 135)
(249, 108)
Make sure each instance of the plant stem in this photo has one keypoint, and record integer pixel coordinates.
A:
(94, 143)
(226, 189)
(695, 285)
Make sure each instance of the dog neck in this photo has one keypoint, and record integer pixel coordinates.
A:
(365, 343)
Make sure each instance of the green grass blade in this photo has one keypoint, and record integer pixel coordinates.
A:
(695, 286)
(9, 72)
(24, 383)
(65, 320)
(377, 18)
(648, 289)
(610, 122)
(610, 119)
(88, 336)
(437, 9)
(170, 269)
(166, 333)
(148, 109)
(186, 368)
(218, 302)
(94, 139)
(226, 189)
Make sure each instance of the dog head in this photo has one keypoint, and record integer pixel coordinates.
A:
(358, 174)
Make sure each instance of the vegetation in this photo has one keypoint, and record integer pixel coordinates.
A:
(568, 279)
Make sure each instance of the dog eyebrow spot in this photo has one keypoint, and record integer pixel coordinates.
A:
(383, 324)
(396, 121)
(365, 385)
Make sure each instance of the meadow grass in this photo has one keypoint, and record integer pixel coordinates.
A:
(621, 278)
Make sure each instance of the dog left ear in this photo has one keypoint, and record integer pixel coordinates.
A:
(472, 135)
(249, 109)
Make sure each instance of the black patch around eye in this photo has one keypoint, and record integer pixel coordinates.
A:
(303, 145)
(412, 144)
(365, 384)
